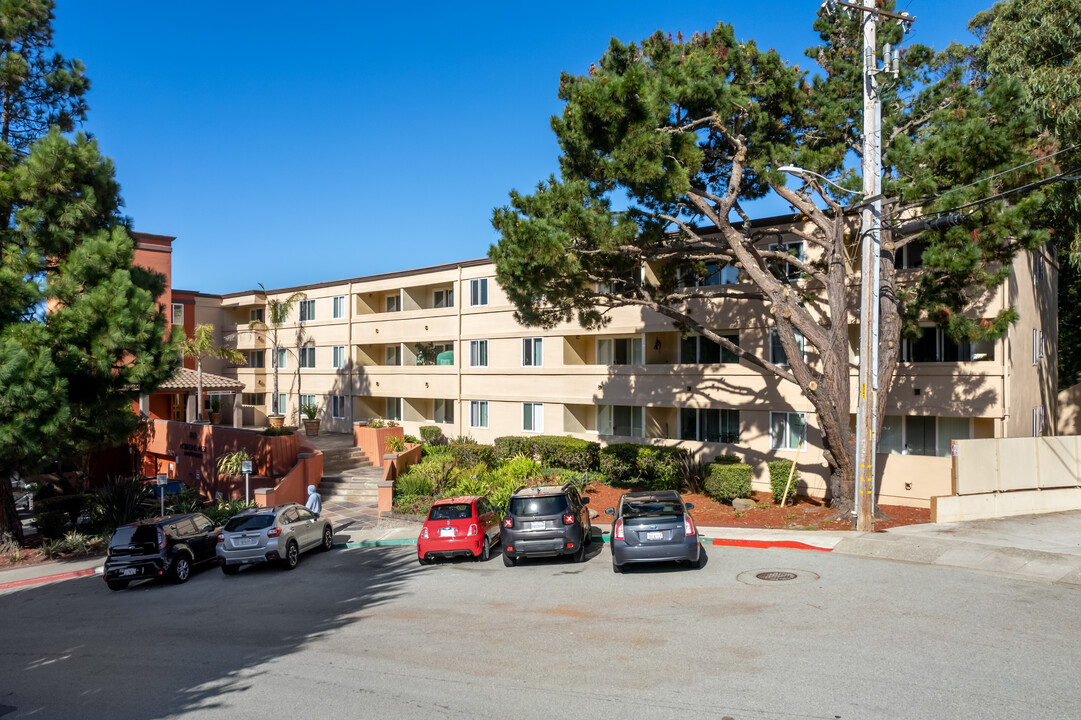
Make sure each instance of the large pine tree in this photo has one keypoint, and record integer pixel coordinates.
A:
(80, 327)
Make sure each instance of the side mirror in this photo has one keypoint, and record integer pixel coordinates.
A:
(610, 511)
(689, 506)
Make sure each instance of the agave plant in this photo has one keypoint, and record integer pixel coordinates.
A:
(121, 500)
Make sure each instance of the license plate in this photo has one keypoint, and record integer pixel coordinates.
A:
(129, 571)
(246, 542)
(654, 535)
(446, 532)
(536, 525)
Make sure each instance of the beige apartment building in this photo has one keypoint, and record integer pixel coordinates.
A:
(440, 346)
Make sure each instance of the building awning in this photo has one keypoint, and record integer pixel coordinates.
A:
(187, 379)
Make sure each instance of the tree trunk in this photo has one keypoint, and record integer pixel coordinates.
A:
(10, 524)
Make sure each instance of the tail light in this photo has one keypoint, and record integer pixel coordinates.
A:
(161, 539)
(688, 525)
(221, 538)
(274, 532)
(424, 533)
(508, 522)
(472, 530)
(619, 530)
(568, 519)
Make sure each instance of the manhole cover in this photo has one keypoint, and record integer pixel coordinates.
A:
(776, 575)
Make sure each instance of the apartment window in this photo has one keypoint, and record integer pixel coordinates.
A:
(532, 355)
(443, 411)
(394, 355)
(1037, 421)
(1039, 269)
(337, 406)
(533, 417)
(256, 399)
(935, 346)
(255, 315)
(707, 425)
(622, 420)
(338, 357)
(478, 413)
(394, 409)
(787, 430)
(443, 298)
(306, 400)
(478, 292)
(338, 307)
(620, 351)
(280, 406)
(307, 310)
(256, 358)
(178, 314)
(621, 284)
(717, 274)
(283, 355)
(777, 354)
(787, 270)
(307, 357)
(394, 303)
(698, 349)
(478, 353)
(910, 255)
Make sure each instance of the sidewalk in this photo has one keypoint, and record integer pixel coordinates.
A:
(1033, 547)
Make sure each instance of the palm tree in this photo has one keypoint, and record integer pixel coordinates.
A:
(199, 345)
(277, 314)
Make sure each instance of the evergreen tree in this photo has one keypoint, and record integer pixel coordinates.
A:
(81, 331)
(681, 132)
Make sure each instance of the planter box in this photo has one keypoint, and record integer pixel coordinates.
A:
(373, 441)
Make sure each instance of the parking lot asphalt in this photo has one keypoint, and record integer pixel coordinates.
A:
(1033, 547)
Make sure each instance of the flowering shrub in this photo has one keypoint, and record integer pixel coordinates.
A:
(381, 423)
(413, 505)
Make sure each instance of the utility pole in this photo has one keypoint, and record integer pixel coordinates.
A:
(871, 240)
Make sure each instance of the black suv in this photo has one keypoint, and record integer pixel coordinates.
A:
(545, 521)
(161, 547)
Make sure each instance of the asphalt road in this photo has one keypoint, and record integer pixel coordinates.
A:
(368, 633)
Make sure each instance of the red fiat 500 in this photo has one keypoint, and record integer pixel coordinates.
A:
(464, 525)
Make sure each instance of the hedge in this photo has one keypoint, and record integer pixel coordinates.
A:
(550, 450)
(652, 467)
(728, 481)
(778, 478)
(469, 454)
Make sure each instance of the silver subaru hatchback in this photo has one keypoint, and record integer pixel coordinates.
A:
(271, 534)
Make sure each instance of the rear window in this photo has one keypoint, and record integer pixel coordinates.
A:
(548, 505)
(459, 511)
(135, 535)
(249, 522)
(651, 508)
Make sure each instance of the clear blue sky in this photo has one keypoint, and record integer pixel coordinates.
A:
(291, 143)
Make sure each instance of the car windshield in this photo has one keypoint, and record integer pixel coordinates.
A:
(249, 522)
(551, 505)
(134, 535)
(651, 508)
(459, 511)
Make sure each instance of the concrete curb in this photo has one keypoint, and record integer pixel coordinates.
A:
(27, 582)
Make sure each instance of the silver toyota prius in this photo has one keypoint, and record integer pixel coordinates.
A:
(653, 527)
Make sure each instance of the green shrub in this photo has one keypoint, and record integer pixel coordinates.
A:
(394, 444)
(436, 451)
(273, 432)
(778, 478)
(520, 468)
(499, 493)
(512, 445)
(431, 435)
(413, 483)
(440, 473)
(566, 452)
(618, 463)
(412, 439)
(726, 482)
(726, 460)
(466, 454)
(119, 501)
(692, 472)
(220, 511)
(185, 501)
(413, 505)
(658, 468)
(470, 485)
(50, 520)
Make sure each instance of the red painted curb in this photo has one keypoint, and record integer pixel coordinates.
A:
(769, 544)
(47, 578)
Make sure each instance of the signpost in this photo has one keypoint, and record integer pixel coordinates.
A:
(162, 479)
(245, 467)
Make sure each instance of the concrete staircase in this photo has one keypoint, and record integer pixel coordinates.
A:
(349, 479)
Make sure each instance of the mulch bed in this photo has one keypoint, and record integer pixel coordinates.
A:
(803, 514)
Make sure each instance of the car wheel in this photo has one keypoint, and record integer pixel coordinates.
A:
(328, 539)
(116, 584)
(230, 569)
(292, 556)
(509, 560)
(485, 551)
(424, 561)
(616, 567)
(180, 570)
